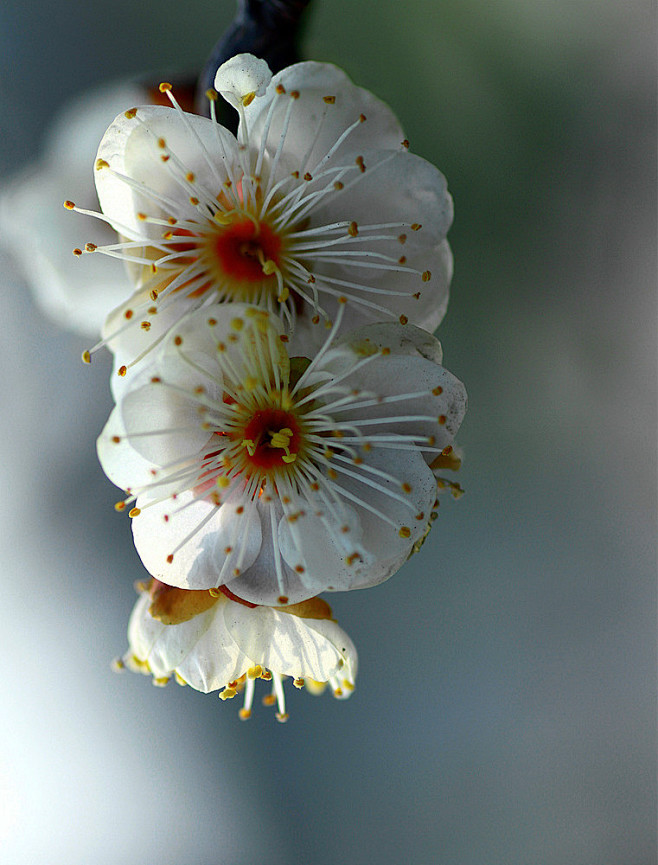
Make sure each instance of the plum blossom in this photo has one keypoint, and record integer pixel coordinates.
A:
(213, 641)
(317, 198)
(281, 476)
(41, 235)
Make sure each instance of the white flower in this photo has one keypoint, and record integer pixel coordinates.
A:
(215, 641)
(41, 234)
(318, 198)
(281, 477)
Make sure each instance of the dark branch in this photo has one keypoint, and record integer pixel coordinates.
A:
(267, 28)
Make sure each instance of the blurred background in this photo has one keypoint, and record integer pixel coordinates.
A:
(505, 706)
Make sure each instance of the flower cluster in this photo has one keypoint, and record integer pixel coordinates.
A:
(281, 408)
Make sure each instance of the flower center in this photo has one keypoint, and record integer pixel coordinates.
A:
(247, 252)
(272, 439)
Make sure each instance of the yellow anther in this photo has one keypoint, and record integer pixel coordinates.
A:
(329, 99)
(130, 113)
(211, 95)
(285, 294)
(248, 98)
(101, 163)
(244, 714)
(281, 717)
(223, 482)
(237, 323)
(405, 532)
(250, 444)
(164, 87)
(269, 267)
(426, 276)
(255, 672)
(69, 205)
(120, 506)
(250, 383)
(227, 694)
(179, 679)
(298, 683)
(134, 512)
(86, 357)
(214, 593)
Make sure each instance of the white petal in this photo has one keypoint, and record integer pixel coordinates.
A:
(258, 583)
(205, 531)
(287, 644)
(310, 113)
(130, 147)
(201, 650)
(242, 78)
(320, 549)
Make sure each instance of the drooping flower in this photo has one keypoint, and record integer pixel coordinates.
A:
(317, 199)
(213, 641)
(280, 476)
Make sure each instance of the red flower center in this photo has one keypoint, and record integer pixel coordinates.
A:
(242, 249)
(272, 438)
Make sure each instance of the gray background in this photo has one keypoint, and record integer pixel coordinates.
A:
(504, 711)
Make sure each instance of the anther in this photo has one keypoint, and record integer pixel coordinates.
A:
(101, 163)
(130, 113)
(360, 163)
(353, 229)
(164, 87)
(329, 99)
(86, 357)
(69, 205)
(405, 532)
